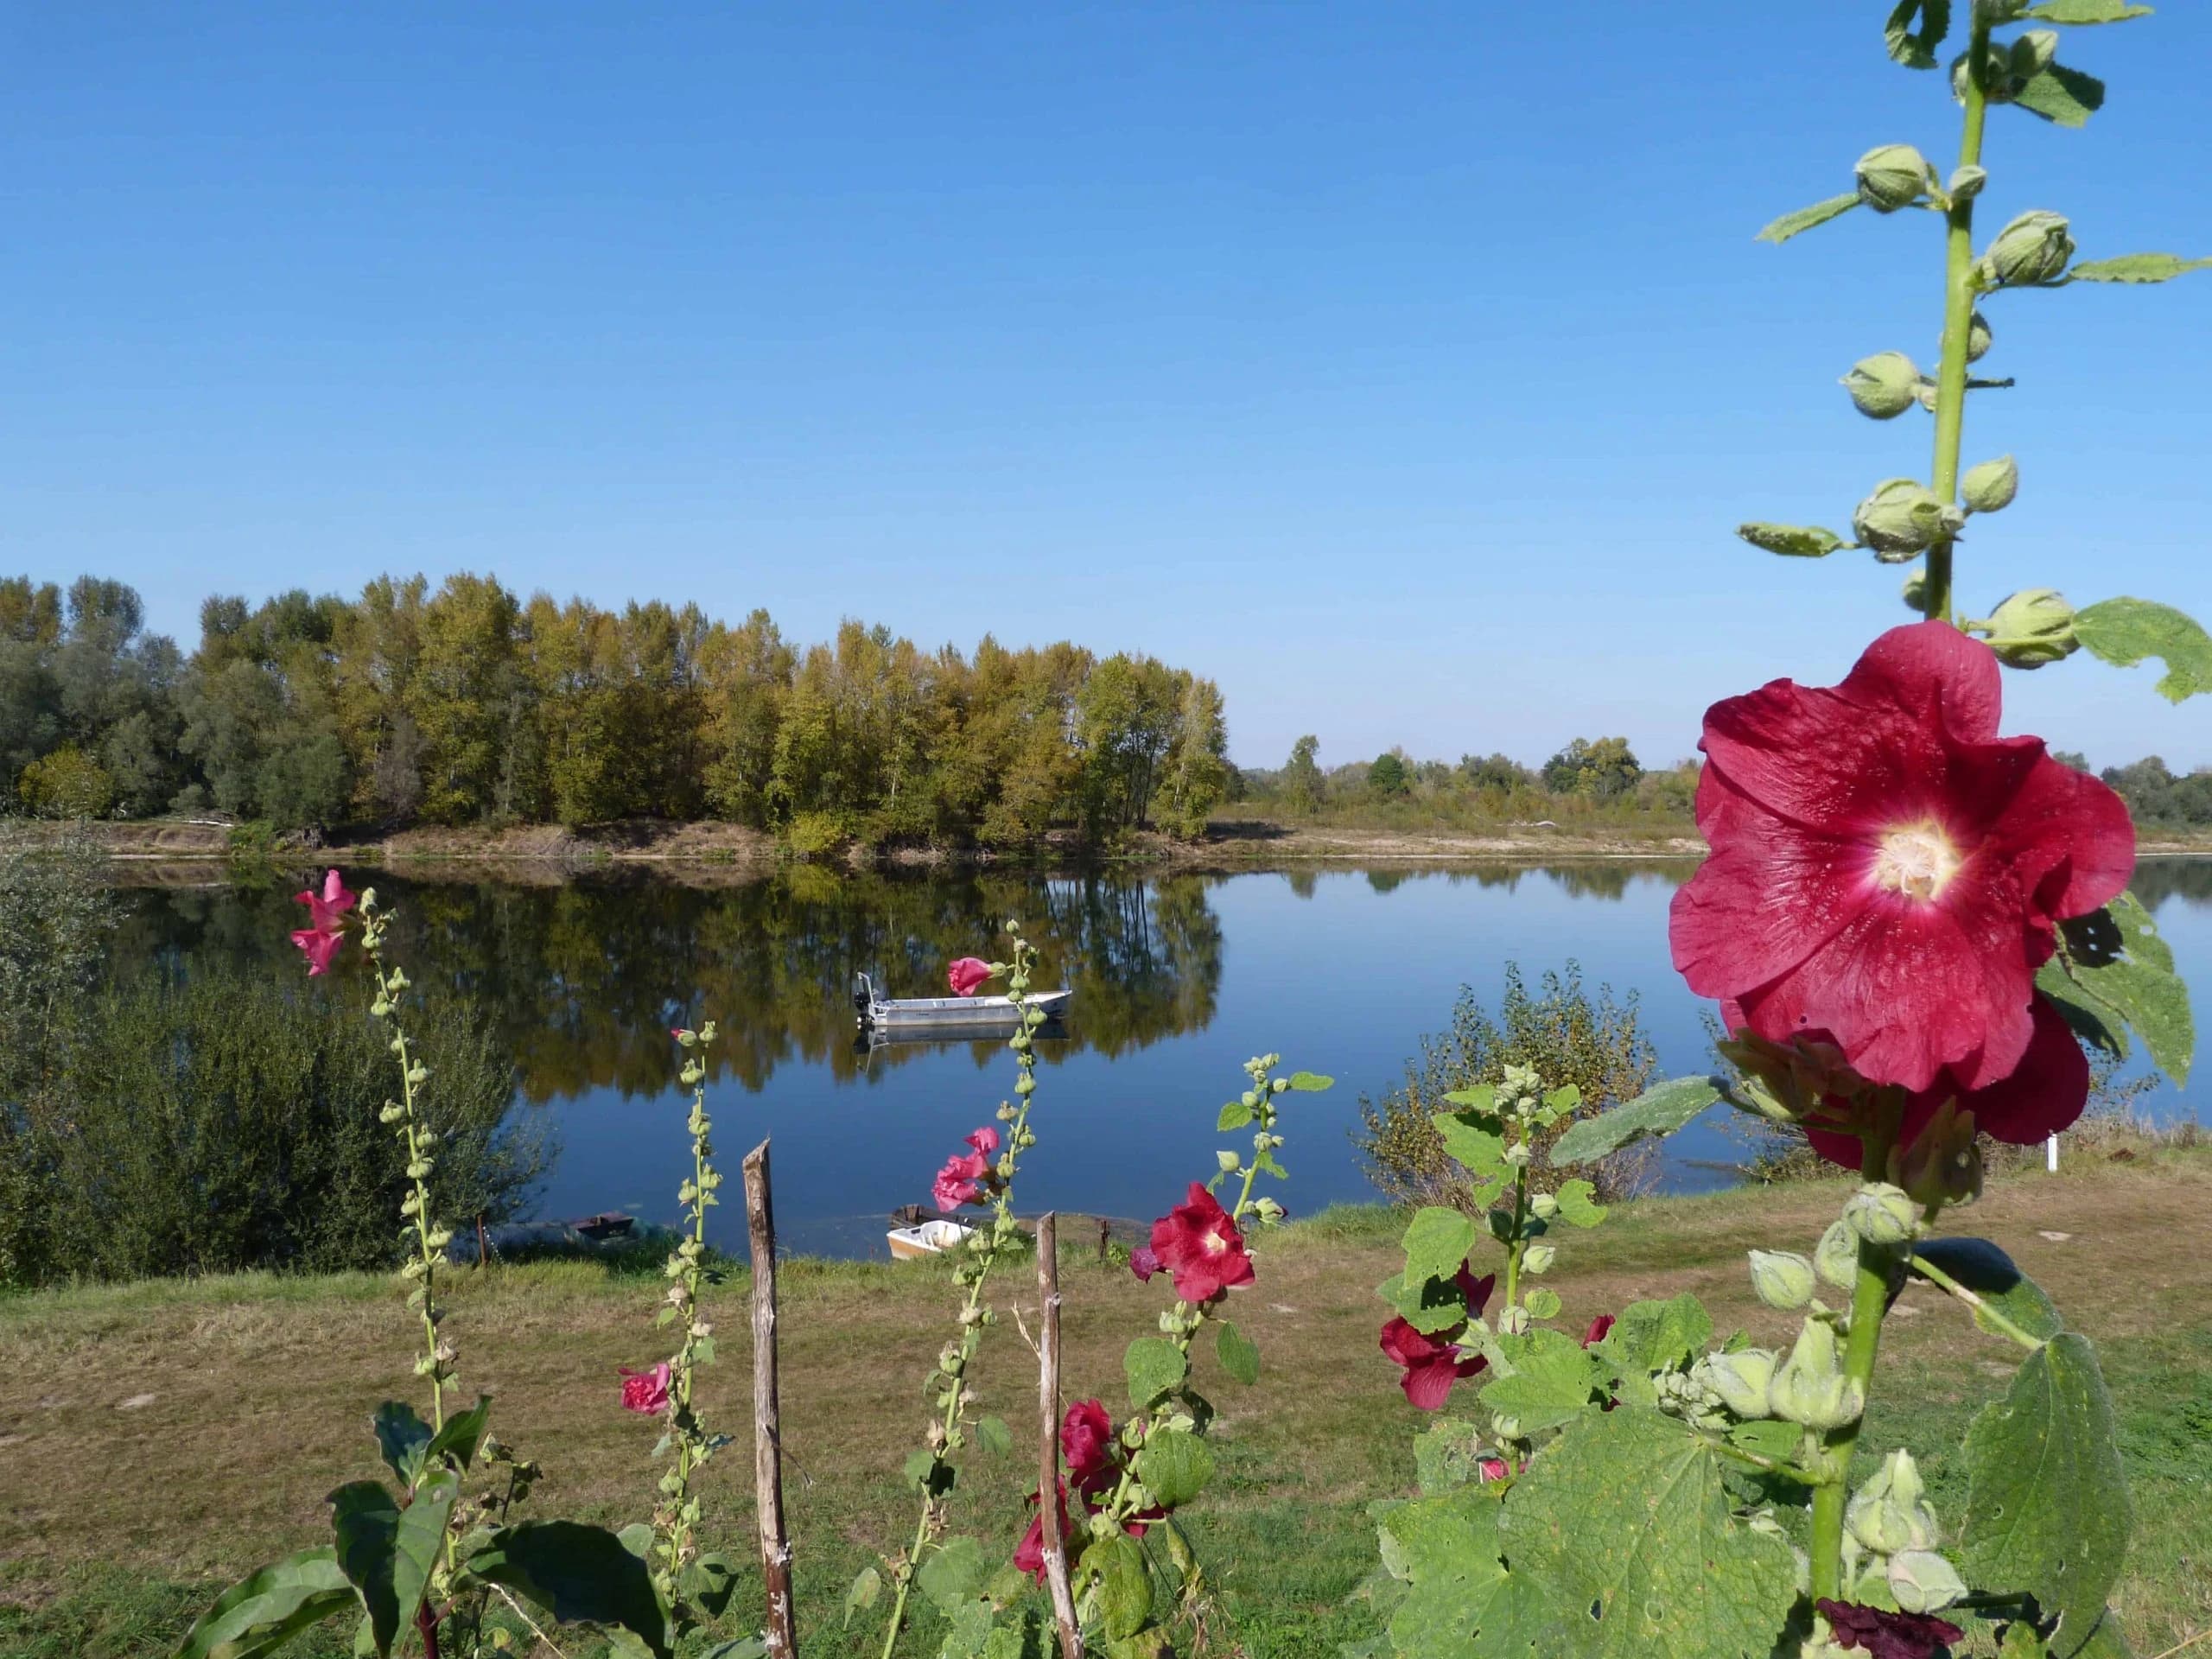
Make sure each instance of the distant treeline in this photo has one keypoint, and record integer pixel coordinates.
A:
(469, 705)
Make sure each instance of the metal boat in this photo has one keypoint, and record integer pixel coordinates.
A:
(947, 1013)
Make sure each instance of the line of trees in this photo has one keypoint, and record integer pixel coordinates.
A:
(469, 705)
(1588, 778)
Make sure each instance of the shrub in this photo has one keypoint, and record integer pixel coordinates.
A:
(1562, 1033)
(229, 1122)
(67, 784)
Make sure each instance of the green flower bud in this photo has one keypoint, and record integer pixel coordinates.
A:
(1228, 1160)
(1783, 1279)
(1506, 1428)
(2031, 251)
(1742, 1379)
(1977, 337)
(1882, 1214)
(1965, 183)
(1903, 519)
(1538, 1258)
(1810, 1388)
(1924, 1582)
(1881, 386)
(1915, 592)
(1892, 176)
(1836, 1257)
(2034, 627)
(2031, 53)
(1543, 1207)
(1990, 486)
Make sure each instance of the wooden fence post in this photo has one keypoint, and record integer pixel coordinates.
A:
(1048, 1448)
(767, 1427)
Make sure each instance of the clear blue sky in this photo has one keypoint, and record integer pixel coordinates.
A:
(1404, 367)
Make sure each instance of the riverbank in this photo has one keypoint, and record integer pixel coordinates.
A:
(158, 1439)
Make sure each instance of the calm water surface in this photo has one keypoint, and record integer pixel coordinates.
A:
(1177, 979)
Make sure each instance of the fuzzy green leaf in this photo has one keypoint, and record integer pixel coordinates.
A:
(1542, 1303)
(1460, 1600)
(1235, 1116)
(2116, 956)
(1575, 1204)
(993, 1436)
(709, 1582)
(1552, 1380)
(1428, 1305)
(953, 1574)
(2138, 268)
(1481, 1097)
(1916, 48)
(1805, 219)
(266, 1608)
(1792, 541)
(2123, 631)
(861, 1596)
(1658, 1110)
(1155, 1367)
(1309, 1083)
(2047, 1507)
(1124, 1583)
(580, 1575)
(2061, 95)
(2093, 1020)
(403, 1437)
(1768, 1437)
(1447, 1455)
(364, 1517)
(1480, 1152)
(1238, 1354)
(1625, 1519)
(1437, 1242)
(2086, 11)
(1174, 1466)
(1985, 1269)
(1652, 1336)
(463, 1433)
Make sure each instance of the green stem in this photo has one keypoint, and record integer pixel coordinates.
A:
(1959, 294)
(1870, 1298)
(690, 1440)
(1520, 1229)
(1982, 1310)
(418, 1149)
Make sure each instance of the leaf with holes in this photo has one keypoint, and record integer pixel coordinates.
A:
(1658, 1110)
(2124, 631)
(1155, 1367)
(1117, 1564)
(1174, 1466)
(2047, 1507)
(1627, 1519)
(1460, 1600)
(2116, 956)
(1552, 1379)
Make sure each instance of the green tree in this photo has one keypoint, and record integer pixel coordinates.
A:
(1386, 776)
(1602, 770)
(1301, 776)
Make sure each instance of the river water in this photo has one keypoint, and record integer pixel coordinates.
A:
(1177, 979)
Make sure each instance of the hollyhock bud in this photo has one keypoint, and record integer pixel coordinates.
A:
(1903, 517)
(1965, 183)
(1881, 386)
(1810, 1388)
(1543, 1207)
(1990, 486)
(1538, 1258)
(1744, 1380)
(1979, 338)
(1889, 1512)
(1892, 176)
(1924, 1582)
(2031, 53)
(1783, 1279)
(2035, 627)
(1836, 1257)
(2030, 251)
(1882, 1214)
(1228, 1160)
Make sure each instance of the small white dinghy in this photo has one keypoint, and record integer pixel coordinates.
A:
(880, 1012)
(926, 1238)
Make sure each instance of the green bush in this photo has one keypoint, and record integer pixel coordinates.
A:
(1562, 1033)
(231, 1122)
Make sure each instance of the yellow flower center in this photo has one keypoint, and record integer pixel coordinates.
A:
(1916, 860)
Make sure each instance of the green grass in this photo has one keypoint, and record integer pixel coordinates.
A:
(118, 1522)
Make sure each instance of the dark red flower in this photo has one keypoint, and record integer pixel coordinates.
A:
(1888, 870)
(1029, 1554)
(1431, 1364)
(1144, 1262)
(1599, 1327)
(1198, 1242)
(967, 976)
(1087, 1442)
(1888, 1636)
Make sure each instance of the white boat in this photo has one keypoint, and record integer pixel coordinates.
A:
(925, 1238)
(880, 1011)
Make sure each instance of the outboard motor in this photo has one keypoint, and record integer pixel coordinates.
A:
(863, 994)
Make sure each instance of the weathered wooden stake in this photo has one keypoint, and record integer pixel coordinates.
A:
(767, 1427)
(1048, 1447)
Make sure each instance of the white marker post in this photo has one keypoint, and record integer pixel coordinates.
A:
(2050, 1155)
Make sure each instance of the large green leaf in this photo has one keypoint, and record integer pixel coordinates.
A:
(1981, 1267)
(1155, 1366)
(1460, 1600)
(1551, 1382)
(1916, 48)
(266, 1608)
(2138, 268)
(2124, 631)
(2086, 11)
(2091, 1019)
(580, 1575)
(1174, 1466)
(1238, 1354)
(1659, 1110)
(365, 1518)
(403, 1437)
(2061, 95)
(1651, 1336)
(463, 1433)
(1479, 1151)
(1124, 1583)
(1804, 219)
(2047, 1508)
(1625, 1521)
(953, 1574)
(2116, 956)
(1436, 1241)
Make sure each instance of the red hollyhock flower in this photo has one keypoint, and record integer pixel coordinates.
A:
(1144, 1262)
(1087, 1442)
(1599, 1327)
(1431, 1364)
(967, 976)
(1198, 1242)
(1888, 870)
(645, 1392)
(1888, 1636)
(1029, 1554)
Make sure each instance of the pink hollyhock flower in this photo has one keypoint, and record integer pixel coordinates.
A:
(960, 1181)
(1144, 1262)
(1490, 1468)
(645, 1392)
(1885, 869)
(985, 1139)
(1198, 1242)
(325, 908)
(967, 976)
(1432, 1364)
(1087, 1443)
(1888, 1636)
(322, 947)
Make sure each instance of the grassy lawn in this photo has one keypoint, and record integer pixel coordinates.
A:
(156, 1439)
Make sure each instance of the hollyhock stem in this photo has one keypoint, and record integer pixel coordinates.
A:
(1520, 1235)
(676, 1518)
(1982, 1309)
(1959, 292)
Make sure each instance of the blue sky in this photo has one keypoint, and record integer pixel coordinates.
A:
(1403, 367)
